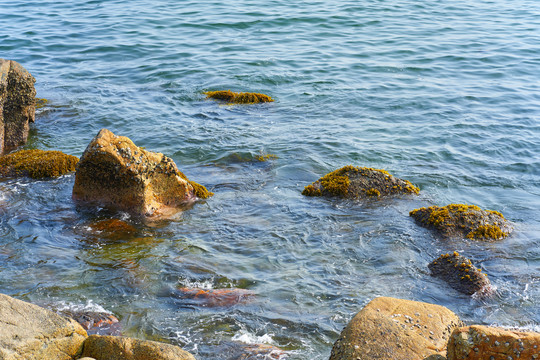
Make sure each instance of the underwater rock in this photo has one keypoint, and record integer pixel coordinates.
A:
(458, 220)
(123, 348)
(95, 323)
(389, 328)
(28, 331)
(17, 104)
(215, 297)
(238, 98)
(261, 351)
(113, 229)
(460, 274)
(37, 164)
(482, 342)
(114, 172)
(359, 182)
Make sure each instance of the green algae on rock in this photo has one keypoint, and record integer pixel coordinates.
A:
(37, 164)
(40, 102)
(238, 98)
(459, 220)
(359, 182)
(460, 274)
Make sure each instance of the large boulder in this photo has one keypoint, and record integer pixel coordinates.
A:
(461, 274)
(123, 348)
(114, 172)
(37, 164)
(484, 343)
(389, 328)
(29, 332)
(460, 221)
(17, 104)
(359, 182)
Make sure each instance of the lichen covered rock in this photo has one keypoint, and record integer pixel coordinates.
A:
(359, 182)
(460, 274)
(17, 104)
(37, 164)
(114, 172)
(458, 220)
(389, 328)
(485, 343)
(238, 98)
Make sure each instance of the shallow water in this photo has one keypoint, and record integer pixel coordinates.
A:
(442, 93)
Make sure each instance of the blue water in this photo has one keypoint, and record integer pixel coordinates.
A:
(444, 93)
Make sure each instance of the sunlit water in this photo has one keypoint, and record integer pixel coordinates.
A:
(443, 93)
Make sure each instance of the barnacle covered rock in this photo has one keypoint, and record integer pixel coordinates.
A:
(115, 172)
(389, 328)
(37, 164)
(359, 182)
(458, 220)
(238, 98)
(460, 274)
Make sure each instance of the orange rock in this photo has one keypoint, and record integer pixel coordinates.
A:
(478, 342)
(216, 297)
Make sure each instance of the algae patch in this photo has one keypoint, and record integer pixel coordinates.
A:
(37, 164)
(238, 98)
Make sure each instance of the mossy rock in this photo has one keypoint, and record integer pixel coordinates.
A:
(238, 98)
(459, 220)
(460, 274)
(359, 182)
(37, 164)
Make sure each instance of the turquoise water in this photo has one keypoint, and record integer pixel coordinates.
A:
(443, 93)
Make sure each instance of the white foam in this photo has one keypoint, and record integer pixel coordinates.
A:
(89, 306)
(248, 338)
(205, 285)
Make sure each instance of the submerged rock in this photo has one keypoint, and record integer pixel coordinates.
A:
(28, 331)
(389, 328)
(460, 274)
(113, 229)
(238, 98)
(17, 104)
(123, 348)
(458, 220)
(95, 323)
(359, 182)
(482, 342)
(215, 297)
(37, 164)
(114, 172)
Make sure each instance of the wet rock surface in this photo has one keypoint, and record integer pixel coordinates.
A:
(17, 104)
(95, 323)
(359, 182)
(460, 274)
(238, 98)
(463, 221)
(389, 328)
(214, 297)
(489, 343)
(114, 172)
(37, 164)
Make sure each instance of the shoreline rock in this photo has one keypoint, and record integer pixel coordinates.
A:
(37, 164)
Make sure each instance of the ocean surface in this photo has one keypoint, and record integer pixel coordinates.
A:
(443, 93)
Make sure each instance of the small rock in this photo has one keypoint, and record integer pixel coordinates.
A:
(37, 164)
(238, 98)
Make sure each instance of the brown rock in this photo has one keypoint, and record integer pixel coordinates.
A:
(37, 164)
(29, 332)
(113, 229)
(123, 348)
(95, 323)
(485, 343)
(389, 328)
(17, 104)
(114, 172)
(215, 297)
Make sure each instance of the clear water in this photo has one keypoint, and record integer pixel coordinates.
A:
(443, 93)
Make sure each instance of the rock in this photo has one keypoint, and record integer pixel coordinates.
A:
(215, 297)
(359, 182)
(114, 172)
(261, 351)
(389, 328)
(238, 98)
(17, 104)
(37, 164)
(95, 323)
(458, 220)
(460, 274)
(30, 332)
(482, 342)
(113, 229)
(87, 358)
(122, 348)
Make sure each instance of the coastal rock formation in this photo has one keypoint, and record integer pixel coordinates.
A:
(238, 98)
(37, 164)
(114, 172)
(122, 348)
(28, 331)
(214, 297)
(359, 182)
(460, 274)
(482, 342)
(17, 104)
(458, 220)
(389, 328)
